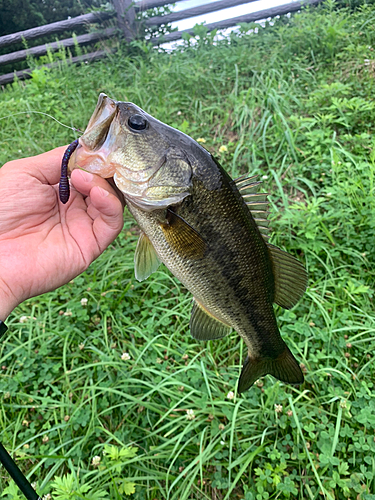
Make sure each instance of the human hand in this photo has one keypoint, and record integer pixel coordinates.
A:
(43, 243)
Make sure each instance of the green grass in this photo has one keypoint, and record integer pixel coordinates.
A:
(294, 103)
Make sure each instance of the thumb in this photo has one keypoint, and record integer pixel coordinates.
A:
(109, 221)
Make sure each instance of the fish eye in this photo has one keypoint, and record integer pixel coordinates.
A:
(137, 122)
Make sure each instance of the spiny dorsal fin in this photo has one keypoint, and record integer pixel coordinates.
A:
(146, 260)
(256, 202)
(290, 277)
(204, 326)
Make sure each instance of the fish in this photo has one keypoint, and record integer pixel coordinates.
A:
(209, 230)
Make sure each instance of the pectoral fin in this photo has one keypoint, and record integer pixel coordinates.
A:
(204, 326)
(146, 260)
(290, 277)
(183, 238)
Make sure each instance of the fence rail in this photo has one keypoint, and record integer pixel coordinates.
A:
(53, 28)
(195, 11)
(40, 50)
(126, 20)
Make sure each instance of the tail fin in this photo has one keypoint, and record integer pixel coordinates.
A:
(284, 368)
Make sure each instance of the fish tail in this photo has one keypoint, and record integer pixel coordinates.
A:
(284, 368)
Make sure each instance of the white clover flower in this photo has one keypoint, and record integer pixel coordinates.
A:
(190, 415)
(230, 395)
(84, 302)
(265, 177)
(278, 408)
(68, 312)
(47, 497)
(95, 461)
(125, 356)
(23, 319)
(81, 346)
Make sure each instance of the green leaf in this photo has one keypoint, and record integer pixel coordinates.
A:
(128, 452)
(127, 488)
(12, 490)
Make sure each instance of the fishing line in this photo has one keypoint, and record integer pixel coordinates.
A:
(41, 113)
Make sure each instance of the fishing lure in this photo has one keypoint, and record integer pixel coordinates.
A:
(64, 188)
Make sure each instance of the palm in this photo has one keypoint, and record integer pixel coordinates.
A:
(44, 244)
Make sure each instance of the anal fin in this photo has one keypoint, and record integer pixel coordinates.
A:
(284, 368)
(204, 326)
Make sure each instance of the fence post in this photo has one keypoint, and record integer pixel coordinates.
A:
(126, 18)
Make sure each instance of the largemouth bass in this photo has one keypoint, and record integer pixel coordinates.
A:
(208, 229)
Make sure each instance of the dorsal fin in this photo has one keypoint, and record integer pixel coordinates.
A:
(290, 277)
(256, 202)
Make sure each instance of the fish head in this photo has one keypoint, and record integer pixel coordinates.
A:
(146, 158)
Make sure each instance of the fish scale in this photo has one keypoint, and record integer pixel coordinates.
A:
(198, 221)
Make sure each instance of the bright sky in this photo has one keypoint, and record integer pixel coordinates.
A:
(239, 10)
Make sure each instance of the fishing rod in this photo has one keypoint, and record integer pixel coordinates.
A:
(10, 464)
(17, 475)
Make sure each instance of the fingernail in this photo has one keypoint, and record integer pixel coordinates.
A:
(86, 176)
(103, 192)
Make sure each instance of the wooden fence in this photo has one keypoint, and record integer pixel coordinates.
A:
(129, 26)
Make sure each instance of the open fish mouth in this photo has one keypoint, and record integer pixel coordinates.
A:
(98, 141)
(92, 148)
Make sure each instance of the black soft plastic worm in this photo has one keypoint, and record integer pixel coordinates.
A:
(64, 189)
